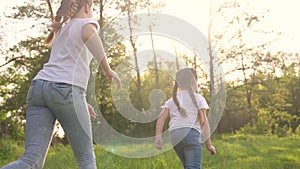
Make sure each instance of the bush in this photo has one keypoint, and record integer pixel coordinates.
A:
(270, 122)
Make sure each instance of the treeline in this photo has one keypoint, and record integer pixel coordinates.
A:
(272, 108)
(262, 99)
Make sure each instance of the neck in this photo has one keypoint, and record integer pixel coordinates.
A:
(188, 89)
(84, 12)
(81, 15)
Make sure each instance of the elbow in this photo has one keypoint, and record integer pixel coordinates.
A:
(202, 123)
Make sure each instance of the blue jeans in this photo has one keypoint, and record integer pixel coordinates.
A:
(47, 101)
(188, 147)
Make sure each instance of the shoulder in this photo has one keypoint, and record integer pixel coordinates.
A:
(170, 101)
(82, 22)
(199, 96)
(91, 22)
(201, 99)
(90, 28)
(168, 104)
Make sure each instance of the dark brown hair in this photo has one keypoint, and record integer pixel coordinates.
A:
(67, 9)
(184, 79)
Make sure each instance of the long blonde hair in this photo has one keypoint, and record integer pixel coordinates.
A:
(67, 9)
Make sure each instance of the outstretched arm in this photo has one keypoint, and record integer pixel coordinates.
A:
(206, 131)
(95, 46)
(159, 127)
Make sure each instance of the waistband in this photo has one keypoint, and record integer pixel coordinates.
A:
(57, 83)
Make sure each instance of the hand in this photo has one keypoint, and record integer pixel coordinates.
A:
(92, 111)
(113, 76)
(212, 149)
(159, 143)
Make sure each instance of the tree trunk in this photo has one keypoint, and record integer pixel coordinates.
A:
(132, 42)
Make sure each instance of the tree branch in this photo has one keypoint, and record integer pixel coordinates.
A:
(11, 60)
(50, 9)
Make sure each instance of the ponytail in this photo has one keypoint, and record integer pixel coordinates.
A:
(200, 115)
(180, 109)
(65, 12)
(193, 97)
(55, 27)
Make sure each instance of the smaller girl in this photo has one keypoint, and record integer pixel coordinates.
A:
(187, 113)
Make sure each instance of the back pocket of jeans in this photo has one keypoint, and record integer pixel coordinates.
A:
(61, 93)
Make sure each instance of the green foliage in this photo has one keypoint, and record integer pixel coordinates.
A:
(10, 150)
(277, 104)
(29, 57)
(269, 123)
(237, 112)
(29, 11)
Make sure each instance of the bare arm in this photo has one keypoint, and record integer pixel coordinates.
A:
(206, 131)
(91, 111)
(94, 44)
(159, 127)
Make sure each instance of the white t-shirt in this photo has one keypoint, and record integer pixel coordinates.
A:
(185, 101)
(70, 58)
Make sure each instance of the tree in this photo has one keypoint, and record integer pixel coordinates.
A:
(23, 61)
(244, 56)
(26, 65)
(117, 53)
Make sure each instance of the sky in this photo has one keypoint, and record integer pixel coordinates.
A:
(282, 17)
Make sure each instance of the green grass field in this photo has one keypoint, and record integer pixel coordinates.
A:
(233, 152)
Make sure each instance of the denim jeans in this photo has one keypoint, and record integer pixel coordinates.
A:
(47, 101)
(188, 147)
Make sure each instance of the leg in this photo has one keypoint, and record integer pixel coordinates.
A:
(39, 129)
(177, 138)
(81, 143)
(180, 153)
(70, 107)
(193, 156)
(193, 150)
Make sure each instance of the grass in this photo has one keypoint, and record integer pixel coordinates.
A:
(233, 152)
(259, 152)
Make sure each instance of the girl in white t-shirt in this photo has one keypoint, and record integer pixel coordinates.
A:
(188, 121)
(58, 91)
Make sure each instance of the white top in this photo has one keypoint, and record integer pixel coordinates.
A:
(70, 58)
(185, 101)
